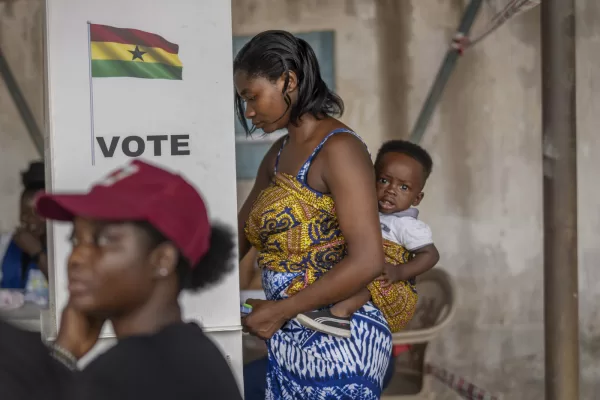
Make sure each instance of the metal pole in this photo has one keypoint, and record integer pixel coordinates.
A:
(561, 317)
(444, 73)
(26, 115)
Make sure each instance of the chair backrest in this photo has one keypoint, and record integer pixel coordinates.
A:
(435, 308)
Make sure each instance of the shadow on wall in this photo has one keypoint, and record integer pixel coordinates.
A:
(394, 35)
(21, 34)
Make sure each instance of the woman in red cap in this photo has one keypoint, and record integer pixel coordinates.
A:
(139, 237)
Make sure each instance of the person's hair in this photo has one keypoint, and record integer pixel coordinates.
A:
(273, 54)
(211, 268)
(410, 149)
(34, 178)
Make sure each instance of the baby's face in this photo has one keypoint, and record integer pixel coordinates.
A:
(400, 181)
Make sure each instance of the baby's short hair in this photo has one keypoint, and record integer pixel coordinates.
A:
(410, 149)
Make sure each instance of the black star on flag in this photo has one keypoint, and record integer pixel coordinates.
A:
(137, 53)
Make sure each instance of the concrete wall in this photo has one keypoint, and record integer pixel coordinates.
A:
(355, 28)
(21, 42)
(588, 120)
(484, 198)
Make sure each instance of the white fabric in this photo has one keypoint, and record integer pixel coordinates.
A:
(11, 299)
(407, 231)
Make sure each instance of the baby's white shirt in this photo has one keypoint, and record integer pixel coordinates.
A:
(405, 229)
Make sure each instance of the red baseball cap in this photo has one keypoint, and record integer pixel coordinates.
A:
(140, 192)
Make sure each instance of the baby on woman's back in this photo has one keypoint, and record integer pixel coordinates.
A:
(402, 170)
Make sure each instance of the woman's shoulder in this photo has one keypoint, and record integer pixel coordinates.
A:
(179, 353)
(179, 343)
(335, 133)
(344, 140)
(174, 338)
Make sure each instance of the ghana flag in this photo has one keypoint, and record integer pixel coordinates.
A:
(118, 52)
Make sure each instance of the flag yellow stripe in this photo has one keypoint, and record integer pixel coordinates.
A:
(121, 52)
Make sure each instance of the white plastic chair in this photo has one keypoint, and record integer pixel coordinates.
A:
(435, 310)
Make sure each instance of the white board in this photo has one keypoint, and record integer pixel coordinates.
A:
(198, 108)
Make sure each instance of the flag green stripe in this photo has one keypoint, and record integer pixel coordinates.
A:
(115, 68)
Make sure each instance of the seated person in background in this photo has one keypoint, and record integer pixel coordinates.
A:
(140, 237)
(23, 262)
(402, 169)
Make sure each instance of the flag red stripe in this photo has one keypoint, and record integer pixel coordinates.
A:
(105, 33)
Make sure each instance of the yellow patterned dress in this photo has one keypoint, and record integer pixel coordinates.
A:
(397, 302)
(298, 238)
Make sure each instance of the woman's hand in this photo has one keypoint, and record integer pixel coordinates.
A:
(27, 241)
(78, 332)
(266, 318)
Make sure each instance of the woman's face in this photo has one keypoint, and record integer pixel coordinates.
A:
(109, 269)
(30, 220)
(265, 103)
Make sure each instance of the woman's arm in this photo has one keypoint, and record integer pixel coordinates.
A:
(263, 179)
(350, 177)
(247, 270)
(42, 263)
(32, 246)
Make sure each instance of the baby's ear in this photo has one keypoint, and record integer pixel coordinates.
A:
(418, 199)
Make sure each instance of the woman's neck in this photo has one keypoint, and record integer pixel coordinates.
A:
(147, 320)
(306, 129)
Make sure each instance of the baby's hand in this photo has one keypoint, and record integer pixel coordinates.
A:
(391, 274)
